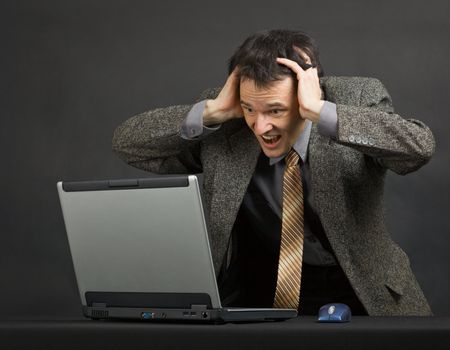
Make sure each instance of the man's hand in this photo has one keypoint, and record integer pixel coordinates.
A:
(309, 93)
(226, 105)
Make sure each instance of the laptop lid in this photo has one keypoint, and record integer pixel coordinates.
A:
(139, 241)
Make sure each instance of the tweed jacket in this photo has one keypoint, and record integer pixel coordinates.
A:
(347, 180)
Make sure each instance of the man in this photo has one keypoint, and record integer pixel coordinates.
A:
(294, 166)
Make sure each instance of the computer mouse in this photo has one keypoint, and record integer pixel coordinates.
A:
(335, 312)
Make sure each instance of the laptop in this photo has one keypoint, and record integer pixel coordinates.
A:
(140, 250)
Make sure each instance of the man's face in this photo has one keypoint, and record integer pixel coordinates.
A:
(272, 113)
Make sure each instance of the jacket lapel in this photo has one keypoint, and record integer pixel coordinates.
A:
(328, 199)
(235, 167)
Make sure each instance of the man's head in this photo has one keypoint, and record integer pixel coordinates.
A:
(268, 90)
(256, 57)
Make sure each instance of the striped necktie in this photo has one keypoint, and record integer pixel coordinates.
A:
(287, 293)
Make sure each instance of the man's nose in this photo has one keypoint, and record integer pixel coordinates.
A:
(262, 124)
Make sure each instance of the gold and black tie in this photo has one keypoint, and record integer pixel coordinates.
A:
(287, 293)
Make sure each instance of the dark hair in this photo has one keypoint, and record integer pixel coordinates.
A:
(256, 57)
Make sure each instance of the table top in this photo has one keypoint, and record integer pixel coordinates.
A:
(362, 332)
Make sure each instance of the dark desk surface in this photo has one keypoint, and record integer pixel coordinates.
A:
(302, 333)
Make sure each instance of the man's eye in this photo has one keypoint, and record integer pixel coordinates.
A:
(275, 111)
(248, 109)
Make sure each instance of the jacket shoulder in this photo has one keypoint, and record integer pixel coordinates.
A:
(353, 90)
(209, 93)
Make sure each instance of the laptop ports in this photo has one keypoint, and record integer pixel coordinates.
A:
(147, 315)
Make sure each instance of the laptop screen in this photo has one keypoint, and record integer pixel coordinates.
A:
(139, 238)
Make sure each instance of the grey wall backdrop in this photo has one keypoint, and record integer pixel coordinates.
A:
(71, 71)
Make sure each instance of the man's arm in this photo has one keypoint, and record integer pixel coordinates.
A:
(402, 145)
(369, 125)
(161, 141)
(151, 141)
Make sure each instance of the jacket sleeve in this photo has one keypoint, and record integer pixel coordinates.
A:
(401, 145)
(151, 140)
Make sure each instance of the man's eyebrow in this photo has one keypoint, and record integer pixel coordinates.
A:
(273, 104)
(276, 104)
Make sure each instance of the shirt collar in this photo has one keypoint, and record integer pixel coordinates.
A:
(300, 146)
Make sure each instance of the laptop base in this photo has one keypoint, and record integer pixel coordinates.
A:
(197, 313)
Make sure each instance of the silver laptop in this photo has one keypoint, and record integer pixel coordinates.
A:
(140, 250)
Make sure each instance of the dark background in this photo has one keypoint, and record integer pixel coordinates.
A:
(71, 71)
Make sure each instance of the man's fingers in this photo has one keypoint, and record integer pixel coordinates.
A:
(294, 66)
(235, 71)
(233, 79)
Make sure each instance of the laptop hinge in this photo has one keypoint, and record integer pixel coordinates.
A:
(199, 307)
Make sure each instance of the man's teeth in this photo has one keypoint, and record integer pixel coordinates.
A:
(269, 138)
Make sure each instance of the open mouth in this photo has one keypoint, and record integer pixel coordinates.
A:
(270, 139)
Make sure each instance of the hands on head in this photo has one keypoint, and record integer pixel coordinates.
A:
(227, 104)
(309, 94)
